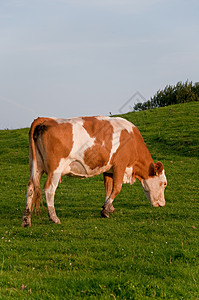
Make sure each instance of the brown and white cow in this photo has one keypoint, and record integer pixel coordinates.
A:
(85, 147)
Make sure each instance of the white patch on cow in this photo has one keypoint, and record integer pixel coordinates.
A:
(117, 128)
(118, 124)
(62, 120)
(63, 167)
(81, 140)
(124, 124)
(103, 118)
(128, 178)
(59, 120)
(116, 139)
(50, 192)
(154, 189)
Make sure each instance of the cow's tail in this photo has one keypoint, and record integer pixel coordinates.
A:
(35, 172)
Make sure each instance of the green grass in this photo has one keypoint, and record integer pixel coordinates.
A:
(141, 252)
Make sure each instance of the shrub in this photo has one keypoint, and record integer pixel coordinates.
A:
(179, 93)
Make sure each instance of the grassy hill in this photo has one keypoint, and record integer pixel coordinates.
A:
(141, 252)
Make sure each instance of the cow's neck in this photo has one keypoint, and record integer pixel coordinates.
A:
(143, 163)
(141, 169)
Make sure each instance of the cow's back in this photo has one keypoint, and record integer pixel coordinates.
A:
(84, 146)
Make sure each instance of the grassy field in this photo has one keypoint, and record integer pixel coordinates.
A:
(141, 252)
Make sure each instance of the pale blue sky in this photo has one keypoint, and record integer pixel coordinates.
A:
(69, 58)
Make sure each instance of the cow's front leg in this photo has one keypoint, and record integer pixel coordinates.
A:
(50, 188)
(108, 206)
(116, 188)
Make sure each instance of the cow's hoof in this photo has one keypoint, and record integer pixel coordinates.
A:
(26, 222)
(52, 215)
(105, 213)
(55, 220)
(112, 209)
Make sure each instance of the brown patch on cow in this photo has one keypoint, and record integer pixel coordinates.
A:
(101, 130)
(133, 152)
(125, 151)
(98, 155)
(54, 143)
(143, 165)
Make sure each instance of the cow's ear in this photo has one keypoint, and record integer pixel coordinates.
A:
(158, 168)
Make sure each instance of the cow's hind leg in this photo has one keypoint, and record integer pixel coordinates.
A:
(33, 198)
(116, 188)
(50, 188)
(26, 220)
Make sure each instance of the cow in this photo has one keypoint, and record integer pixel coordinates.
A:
(84, 147)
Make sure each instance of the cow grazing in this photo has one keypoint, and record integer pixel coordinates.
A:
(85, 147)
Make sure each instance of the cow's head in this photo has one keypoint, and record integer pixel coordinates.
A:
(155, 185)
